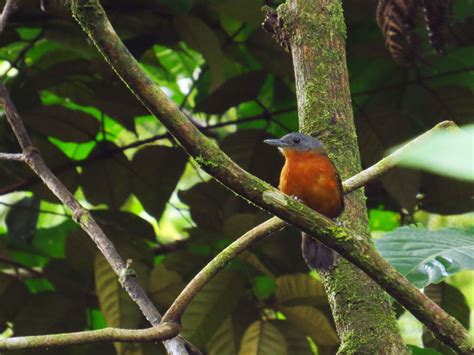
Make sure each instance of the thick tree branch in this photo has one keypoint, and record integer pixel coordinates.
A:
(92, 17)
(274, 224)
(84, 219)
(159, 333)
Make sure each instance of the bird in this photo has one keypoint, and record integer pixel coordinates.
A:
(310, 176)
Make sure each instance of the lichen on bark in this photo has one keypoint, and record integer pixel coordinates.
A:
(317, 32)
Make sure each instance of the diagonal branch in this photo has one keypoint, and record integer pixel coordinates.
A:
(81, 216)
(274, 224)
(91, 16)
(10, 7)
(160, 332)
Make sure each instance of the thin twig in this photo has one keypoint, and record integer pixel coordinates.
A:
(158, 333)
(82, 217)
(92, 17)
(12, 156)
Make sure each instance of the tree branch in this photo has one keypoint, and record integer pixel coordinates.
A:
(159, 333)
(91, 16)
(274, 224)
(12, 157)
(85, 220)
(10, 7)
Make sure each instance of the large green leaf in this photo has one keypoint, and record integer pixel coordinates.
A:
(449, 153)
(21, 219)
(241, 88)
(165, 285)
(157, 170)
(200, 37)
(452, 301)
(211, 306)
(223, 342)
(300, 289)
(295, 339)
(263, 338)
(62, 123)
(313, 323)
(426, 257)
(108, 178)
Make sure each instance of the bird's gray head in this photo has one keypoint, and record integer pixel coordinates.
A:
(298, 142)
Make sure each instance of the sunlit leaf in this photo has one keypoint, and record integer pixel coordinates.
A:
(426, 257)
(264, 286)
(449, 153)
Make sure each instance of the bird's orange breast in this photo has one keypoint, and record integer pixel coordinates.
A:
(313, 178)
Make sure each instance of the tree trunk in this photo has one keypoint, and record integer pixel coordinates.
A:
(315, 31)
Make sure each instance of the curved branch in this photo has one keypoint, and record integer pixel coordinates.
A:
(159, 333)
(91, 16)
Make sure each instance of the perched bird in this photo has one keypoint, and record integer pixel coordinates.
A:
(309, 175)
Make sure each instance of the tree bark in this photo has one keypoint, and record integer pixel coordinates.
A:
(315, 32)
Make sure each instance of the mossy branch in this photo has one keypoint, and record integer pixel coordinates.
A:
(91, 16)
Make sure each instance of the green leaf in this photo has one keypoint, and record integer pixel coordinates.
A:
(165, 285)
(118, 308)
(49, 312)
(452, 301)
(51, 241)
(295, 339)
(200, 37)
(381, 220)
(449, 153)
(157, 170)
(263, 338)
(62, 123)
(211, 306)
(107, 180)
(415, 350)
(263, 287)
(426, 257)
(13, 295)
(21, 219)
(223, 342)
(241, 88)
(313, 323)
(300, 289)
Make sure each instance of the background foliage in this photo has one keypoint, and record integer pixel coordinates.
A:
(234, 81)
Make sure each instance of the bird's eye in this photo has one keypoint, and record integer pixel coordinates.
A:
(296, 140)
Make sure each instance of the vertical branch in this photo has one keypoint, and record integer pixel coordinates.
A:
(315, 31)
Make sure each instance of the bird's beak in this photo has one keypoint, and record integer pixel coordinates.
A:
(276, 143)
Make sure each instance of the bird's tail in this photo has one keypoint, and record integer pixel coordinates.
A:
(316, 254)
